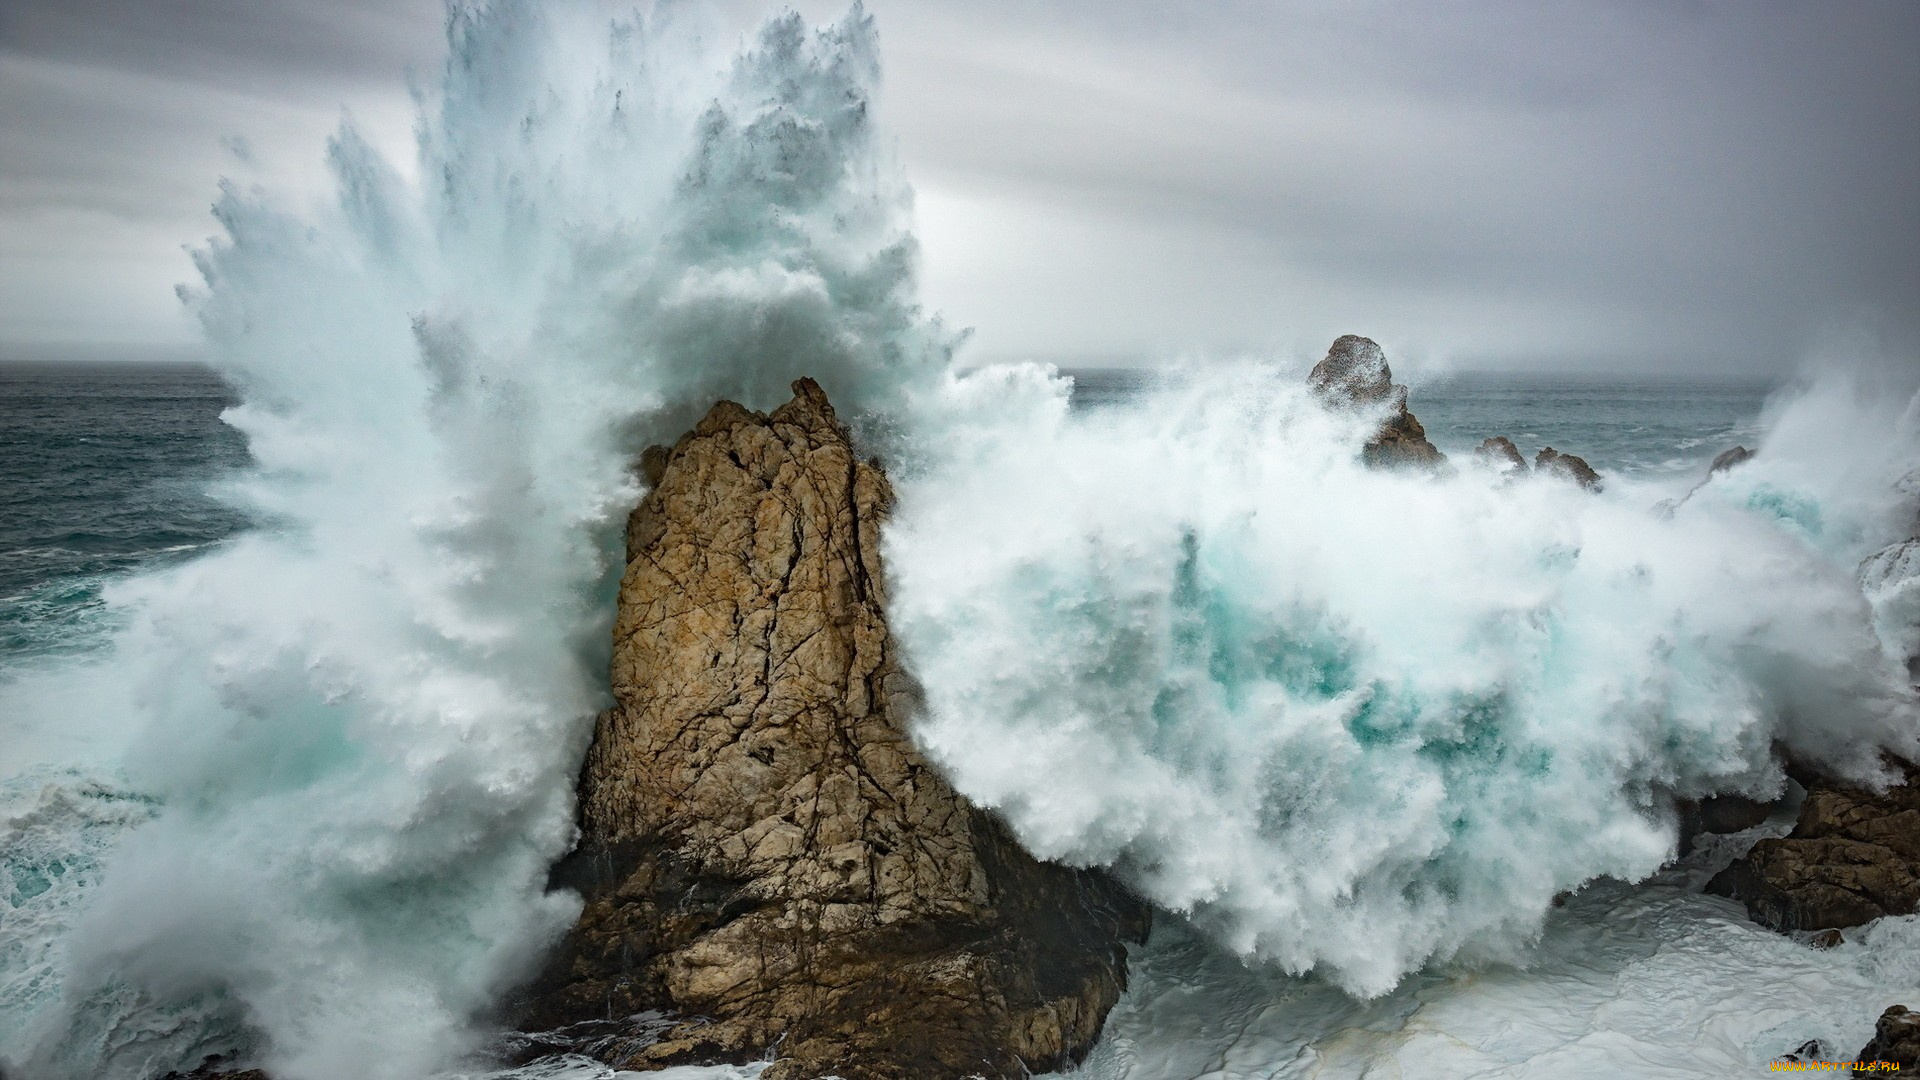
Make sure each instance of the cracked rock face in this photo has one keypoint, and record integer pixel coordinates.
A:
(767, 862)
(1853, 857)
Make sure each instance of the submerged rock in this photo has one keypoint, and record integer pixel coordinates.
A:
(1896, 1042)
(1355, 375)
(768, 865)
(1853, 857)
(1551, 462)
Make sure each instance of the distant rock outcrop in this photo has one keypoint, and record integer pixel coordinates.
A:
(768, 864)
(1728, 459)
(1499, 454)
(1896, 1041)
(1551, 462)
(1853, 857)
(1355, 375)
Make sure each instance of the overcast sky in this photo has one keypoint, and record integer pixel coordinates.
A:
(1680, 184)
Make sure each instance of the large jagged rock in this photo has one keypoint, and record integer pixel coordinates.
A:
(1896, 1041)
(768, 864)
(1853, 856)
(1355, 375)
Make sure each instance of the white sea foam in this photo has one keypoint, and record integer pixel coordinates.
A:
(356, 729)
(1359, 721)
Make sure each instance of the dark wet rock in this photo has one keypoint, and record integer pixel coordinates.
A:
(1896, 1041)
(768, 864)
(1355, 375)
(1853, 856)
(1502, 456)
(1551, 462)
(1719, 814)
(1809, 1051)
(1827, 939)
(1728, 459)
(214, 1067)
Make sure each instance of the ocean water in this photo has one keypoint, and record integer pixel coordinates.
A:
(1640, 425)
(104, 469)
(299, 674)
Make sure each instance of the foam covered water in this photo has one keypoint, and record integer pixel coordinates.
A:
(1358, 721)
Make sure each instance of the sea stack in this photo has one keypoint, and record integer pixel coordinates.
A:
(769, 866)
(1355, 375)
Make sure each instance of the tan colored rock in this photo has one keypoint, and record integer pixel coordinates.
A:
(1499, 454)
(1355, 375)
(768, 864)
(1853, 856)
(1551, 462)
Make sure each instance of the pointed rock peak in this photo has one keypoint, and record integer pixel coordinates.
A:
(1567, 466)
(1501, 454)
(1355, 372)
(767, 864)
(809, 408)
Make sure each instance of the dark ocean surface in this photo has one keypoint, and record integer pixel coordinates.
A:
(105, 468)
(1634, 424)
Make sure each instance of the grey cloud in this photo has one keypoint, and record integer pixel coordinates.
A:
(259, 46)
(1624, 178)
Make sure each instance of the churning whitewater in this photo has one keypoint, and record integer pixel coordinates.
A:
(302, 805)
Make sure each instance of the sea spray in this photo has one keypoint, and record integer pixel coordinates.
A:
(344, 745)
(1352, 720)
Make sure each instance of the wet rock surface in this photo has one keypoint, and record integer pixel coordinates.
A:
(1502, 456)
(214, 1067)
(1896, 1041)
(1728, 459)
(1551, 462)
(1355, 375)
(768, 865)
(1853, 856)
(1719, 814)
